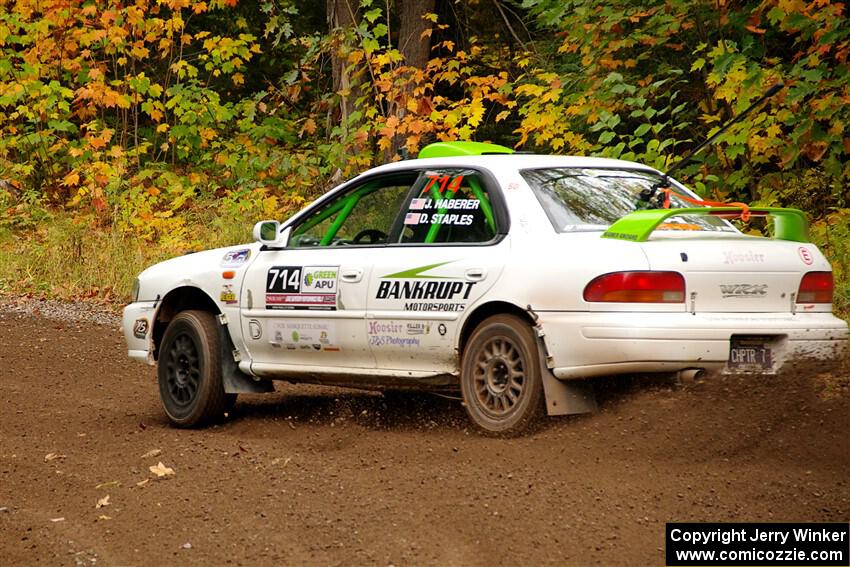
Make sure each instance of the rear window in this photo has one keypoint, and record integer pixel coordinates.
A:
(583, 199)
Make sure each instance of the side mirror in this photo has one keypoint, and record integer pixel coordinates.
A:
(268, 233)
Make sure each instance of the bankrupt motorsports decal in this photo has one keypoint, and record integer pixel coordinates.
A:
(441, 293)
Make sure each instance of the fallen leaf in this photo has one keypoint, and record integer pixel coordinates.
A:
(53, 457)
(152, 453)
(186, 545)
(104, 517)
(57, 519)
(161, 470)
(144, 482)
(114, 483)
(102, 502)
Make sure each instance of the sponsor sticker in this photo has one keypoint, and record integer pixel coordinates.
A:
(302, 287)
(805, 255)
(227, 295)
(418, 328)
(304, 335)
(746, 257)
(235, 258)
(423, 292)
(752, 291)
(140, 328)
(391, 333)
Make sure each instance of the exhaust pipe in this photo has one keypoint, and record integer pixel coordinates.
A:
(691, 374)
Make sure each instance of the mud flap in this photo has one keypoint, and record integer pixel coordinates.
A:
(563, 398)
(236, 381)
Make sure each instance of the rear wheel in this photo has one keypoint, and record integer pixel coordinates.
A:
(189, 370)
(500, 376)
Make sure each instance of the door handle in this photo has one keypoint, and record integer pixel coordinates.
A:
(351, 276)
(476, 274)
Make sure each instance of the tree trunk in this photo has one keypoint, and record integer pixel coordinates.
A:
(415, 48)
(341, 15)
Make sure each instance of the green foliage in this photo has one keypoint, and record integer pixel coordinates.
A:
(647, 81)
(175, 124)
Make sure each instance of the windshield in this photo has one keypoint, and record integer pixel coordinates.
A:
(577, 199)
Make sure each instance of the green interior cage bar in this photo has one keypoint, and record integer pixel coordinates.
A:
(435, 228)
(475, 186)
(435, 150)
(788, 224)
(346, 205)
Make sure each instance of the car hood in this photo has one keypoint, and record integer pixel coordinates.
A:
(199, 269)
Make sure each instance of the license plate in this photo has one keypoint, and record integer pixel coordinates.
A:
(750, 354)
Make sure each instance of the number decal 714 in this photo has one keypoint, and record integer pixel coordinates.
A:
(443, 180)
(284, 279)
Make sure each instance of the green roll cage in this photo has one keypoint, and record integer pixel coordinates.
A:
(346, 205)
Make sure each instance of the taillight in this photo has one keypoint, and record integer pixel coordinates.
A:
(815, 287)
(637, 287)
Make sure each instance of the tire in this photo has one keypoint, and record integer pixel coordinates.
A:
(500, 377)
(189, 370)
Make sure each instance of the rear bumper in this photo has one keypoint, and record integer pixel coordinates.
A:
(593, 344)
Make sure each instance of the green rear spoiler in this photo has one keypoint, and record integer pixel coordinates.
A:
(788, 224)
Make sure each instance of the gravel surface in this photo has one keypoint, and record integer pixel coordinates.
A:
(77, 312)
(92, 474)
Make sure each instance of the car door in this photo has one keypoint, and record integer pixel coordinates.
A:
(449, 250)
(305, 305)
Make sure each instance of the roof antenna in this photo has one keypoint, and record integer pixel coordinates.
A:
(647, 194)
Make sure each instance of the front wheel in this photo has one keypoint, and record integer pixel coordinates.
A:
(500, 376)
(189, 370)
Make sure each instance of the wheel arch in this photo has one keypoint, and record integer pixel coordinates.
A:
(561, 398)
(485, 310)
(177, 300)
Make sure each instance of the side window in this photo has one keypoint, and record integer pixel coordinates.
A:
(360, 217)
(449, 205)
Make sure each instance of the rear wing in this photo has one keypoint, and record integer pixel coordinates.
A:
(788, 224)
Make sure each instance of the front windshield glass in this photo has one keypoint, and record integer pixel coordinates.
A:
(577, 199)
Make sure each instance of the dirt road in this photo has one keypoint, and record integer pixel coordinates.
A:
(313, 476)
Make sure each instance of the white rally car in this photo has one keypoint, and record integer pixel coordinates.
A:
(511, 277)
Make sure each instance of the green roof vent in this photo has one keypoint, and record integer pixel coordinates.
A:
(454, 149)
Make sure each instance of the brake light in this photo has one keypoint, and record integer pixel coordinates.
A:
(637, 287)
(815, 287)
